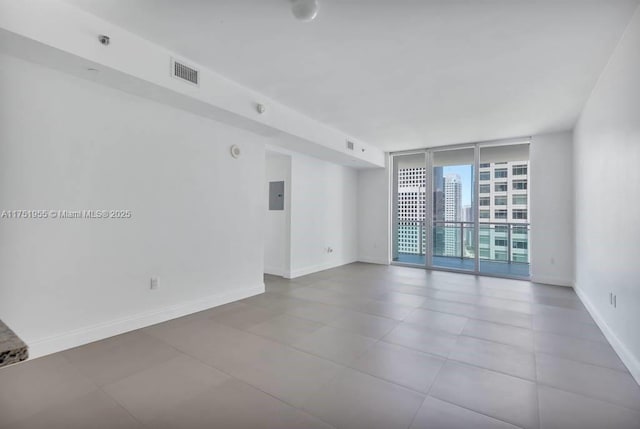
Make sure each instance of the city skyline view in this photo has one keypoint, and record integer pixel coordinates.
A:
(502, 208)
(465, 173)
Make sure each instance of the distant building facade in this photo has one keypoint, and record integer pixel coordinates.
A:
(503, 212)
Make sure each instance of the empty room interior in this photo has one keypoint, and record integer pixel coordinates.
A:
(348, 214)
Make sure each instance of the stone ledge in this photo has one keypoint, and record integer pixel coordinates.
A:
(12, 348)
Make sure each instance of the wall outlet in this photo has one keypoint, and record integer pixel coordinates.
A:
(613, 300)
(154, 284)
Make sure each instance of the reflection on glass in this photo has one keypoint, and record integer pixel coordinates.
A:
(497, 242)
(453, 223)
(409, 209)
(503, 243)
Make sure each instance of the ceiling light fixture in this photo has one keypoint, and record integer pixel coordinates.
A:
(305, 10)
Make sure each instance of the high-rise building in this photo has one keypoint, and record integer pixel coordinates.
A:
(438, 210)
(469, 230)
(504, 211)
(467, 214)
(452, 213)
(411, 208)
(452, 198)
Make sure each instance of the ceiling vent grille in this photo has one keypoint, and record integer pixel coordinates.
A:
(184, 72)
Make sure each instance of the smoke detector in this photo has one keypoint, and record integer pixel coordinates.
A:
(104, 40)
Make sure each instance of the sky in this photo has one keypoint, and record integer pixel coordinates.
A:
(464, 171)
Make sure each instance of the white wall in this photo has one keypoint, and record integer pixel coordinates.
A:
(551, 199)
(197, 224)
(323, 215)
(277, 231)
(607, 208)
(373, 215)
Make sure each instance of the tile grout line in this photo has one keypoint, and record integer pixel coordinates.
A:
(349, 366)
(423, 308)
(375, 342)
(535, 372)
(246, 382)
(532, 351)
(484, 414)
(475, 411)
(115, 400)
(606, 401)
(426, 298)
(447, 359)
(472, 318)
(626, 372)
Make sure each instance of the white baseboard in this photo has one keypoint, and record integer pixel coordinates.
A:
(314, 269)
(274, 271)
(88, 334)
(631, 362)
(555, 281)
(373, 260)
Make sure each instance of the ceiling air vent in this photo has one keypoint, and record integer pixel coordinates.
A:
(349, 145)
(184, 72)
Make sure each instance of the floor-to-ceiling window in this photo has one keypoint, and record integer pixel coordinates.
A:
(463, 208)
(453, 241)
(409, 198)
(504, 217)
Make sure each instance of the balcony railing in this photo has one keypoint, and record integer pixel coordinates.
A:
(498, 241)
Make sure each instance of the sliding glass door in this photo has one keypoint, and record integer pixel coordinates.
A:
(463, 208)
(504, 210)
(409, 197)
(453, 243)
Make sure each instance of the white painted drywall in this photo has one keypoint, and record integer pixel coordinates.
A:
(277, 231)
(197, 213)
(323, 215)
(607, 205)
(373, 215)
(62, 36)
(551, 200)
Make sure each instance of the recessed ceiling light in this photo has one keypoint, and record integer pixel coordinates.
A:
(305, 10)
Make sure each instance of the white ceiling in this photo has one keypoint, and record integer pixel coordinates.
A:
(398, 74)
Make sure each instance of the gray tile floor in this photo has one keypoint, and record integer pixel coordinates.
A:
(359, 346)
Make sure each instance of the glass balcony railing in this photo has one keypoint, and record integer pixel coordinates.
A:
(504, 242)
(454, 239)
(411, 237)
(499, 244)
